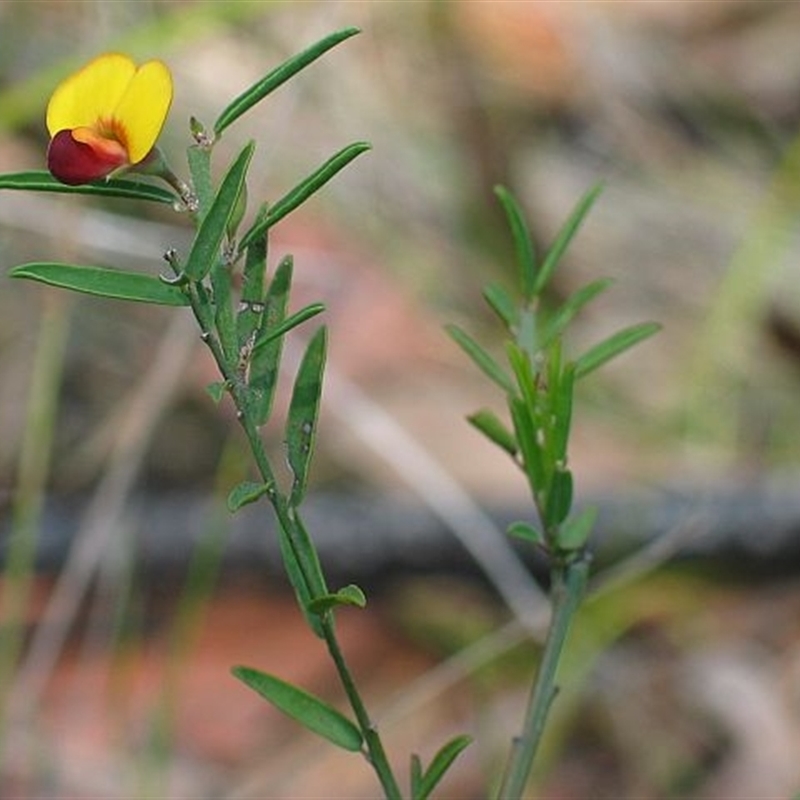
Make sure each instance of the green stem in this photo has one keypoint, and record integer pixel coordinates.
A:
(376, 754)
(569, 582)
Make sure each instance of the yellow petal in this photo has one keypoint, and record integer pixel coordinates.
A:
(90, 94)
(143, 108)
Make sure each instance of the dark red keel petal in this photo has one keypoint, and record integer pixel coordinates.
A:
(73, 162)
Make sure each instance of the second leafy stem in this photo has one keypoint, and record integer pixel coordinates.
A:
(539, 383)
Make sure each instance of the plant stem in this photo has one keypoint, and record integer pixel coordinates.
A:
(569, 582)
(376, 755)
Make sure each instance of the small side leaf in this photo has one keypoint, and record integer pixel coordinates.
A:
(272, 80)
(300, 193)
(265, 361)
(564, 237)
(526, 256)
(206, 246)
(612, 346)
(575, 531)
(292, 321)
(526, 532)
(43, 181)
(301, 423)
(216, 391)
(490, 425)
(307, 709)
(245, 493)
(199, 160)
(502, 303)
(559, 498)
(114, 283)
(571, 306)
(441, 762)
(351, 595)
(481, 358)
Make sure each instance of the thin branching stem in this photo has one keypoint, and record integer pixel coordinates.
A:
(569, 582)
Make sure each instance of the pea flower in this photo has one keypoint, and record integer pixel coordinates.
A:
(106, 117)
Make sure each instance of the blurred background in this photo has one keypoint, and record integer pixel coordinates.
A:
(683, 677)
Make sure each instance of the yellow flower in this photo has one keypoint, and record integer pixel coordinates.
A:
(106, 116)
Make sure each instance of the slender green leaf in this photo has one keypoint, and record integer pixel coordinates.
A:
(307, 709)
(224, 320)
(113, 283)
(43, 181)
(211, 232)
(571, 306)
(439, 765)
(351, 595)
(199, 159)
(529, 446)
(490, 425)
(526, 532)
(299, 317)
(563, 238)
(216, 391)
(575, 531)
(416, 776)
(523, 243)
(612, 346)
(561, 399)
(300, 193)
(502, 304)
(559, 498)
(301, 423)
(251, 307)
(481, 358)
(245, 493)
(303, 568)
(265, 362)
(272, 80)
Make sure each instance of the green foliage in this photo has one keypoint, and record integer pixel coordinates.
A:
(350, 595)
(305, 708)
(303, 191)
(423, 782)
(272, 80)
(126, 189)
(116, 284)
(245, 493)
(205, 249)
(301, 423)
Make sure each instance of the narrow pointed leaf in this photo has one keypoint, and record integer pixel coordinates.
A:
(559, 498)
(199, 160)
(272, 80)
(298, 318)
(245, 493)
(43, 181)
(523, 243)
(439, 765)
(563, 238)
(113, 283)
(224, 320)
(575, 531)
(265, 361)
(481, 358)
(216, 391)
(490, 425)
(416, 776)
(300, 193)
(251, 308)
(303, 568)
(307, 709)
(526, 532)
(571, 306)
(502, 303)
(301, 424)
(612, 346)
(208, 241)
(351, 595)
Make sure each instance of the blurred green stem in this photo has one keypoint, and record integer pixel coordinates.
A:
(289, 523)
(34, 464)
(568, 586)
